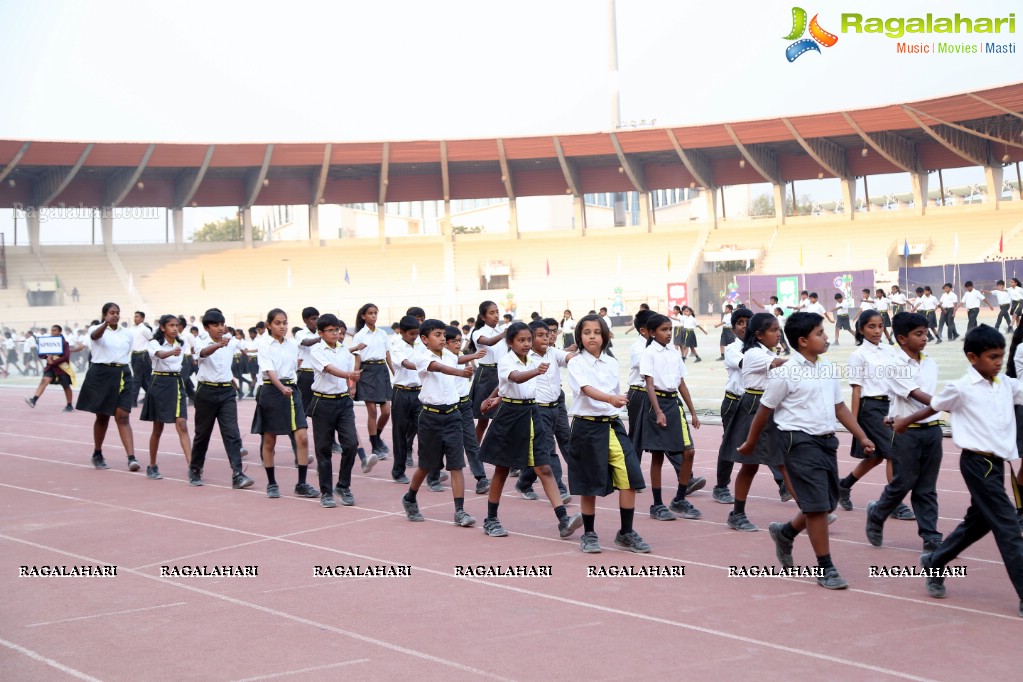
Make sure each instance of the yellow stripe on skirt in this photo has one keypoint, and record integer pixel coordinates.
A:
(616, 460)
(532, 434)
(687, 440)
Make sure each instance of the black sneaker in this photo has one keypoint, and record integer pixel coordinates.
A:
(845, 498)
(194, 478)
(722, 495)
(463, 519)
(632, 542)
(153, 473)
(782, 547)
(932, 545)
(347, 499)
(99, 462)
(589, 543)
(30, 402)
(568, 524)
(327, 501)
(685, 509)
(695, 483)
(482, 486)
(305, 490)
(238, 481)
(935, 585)
(527, 493)
(903, 513)
(493, 528)
(133, 464)
(783, 493)
(874, 530)
(831, 580)
(659, 512)
(68, 408)
(411, 510)
(272, 491)
(740, 523)
(402, 480)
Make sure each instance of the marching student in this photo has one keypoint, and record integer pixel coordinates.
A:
(28, 352)
(898, 300)
(516, 438)
(981, 405)
(813, 305)
(601, 457)
(869, 366)
(916, 453)
(187, 337)
(801, 304)
(866, 302)
(141, 368)
(250, 349)
(1015, 301)
(677, 337)
(215, 402)
(56, 369)
(730, 403)
(278, 406)
(332, 409)
(1004, 305)
(926, 304)
(405, 406)
(484, 336)
(165, 399)
(1014, 369)
(949, 303)
(665, 428)
(12, 353)
(883, 306)
(689, 327)
(805, 399)
(567, 328)
(373, 360)
(453, 344)
(307, 338)
(972, 298)
(549, 397)
(727, 336)
(758, 359)
(238, 359)
(106, 390)
(842, 308)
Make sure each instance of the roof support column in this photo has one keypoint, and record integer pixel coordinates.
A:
(178, 218)
(993, 178)
(314, 224)
(849, 198)
(445, 222)
(106, 222)
(513, 219)
(710, 198)
(779, 203)
(579, 214)
(32, 218)
(381, 223)
(919, 181)
(645, 216)
(247, 227)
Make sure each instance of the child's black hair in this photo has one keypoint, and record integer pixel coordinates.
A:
(1001, 281)
(480, 322)
(395, 326)
(861, 321)
(359, 322)
(946, 284)
(1010, 362)
(108, 306)
(981, 338)
(408, 323)
(513, 330)
(551, 322)
(60, 330)
(968, 283)
(428, 326)
(741, 314)
(904, 323)
(760, 322)
(294, 330)
(274, 313)
(800, 325)
(259, 325)
(158, 335)
(451, 332)
(839, 297)
(327, 320)
(813, 294)
(309, 312)
(605, 333)
(416, 311)
(252, 330)
(538, 324)
(143, 315)
(213, 316)
(453, 323)
(654, 321)
(639, 319)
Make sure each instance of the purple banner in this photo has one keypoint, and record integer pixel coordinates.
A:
(760, 288)
(983, 275)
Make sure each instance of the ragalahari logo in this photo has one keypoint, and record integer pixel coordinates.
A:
(817, 35)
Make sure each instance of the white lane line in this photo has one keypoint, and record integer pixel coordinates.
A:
(103, 615)
(287, 673)
(48, 661)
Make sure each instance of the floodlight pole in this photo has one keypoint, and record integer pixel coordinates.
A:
(612, 66)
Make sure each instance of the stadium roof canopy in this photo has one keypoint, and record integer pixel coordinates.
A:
(970, 129)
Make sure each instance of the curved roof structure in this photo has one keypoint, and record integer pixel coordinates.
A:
(968, 129)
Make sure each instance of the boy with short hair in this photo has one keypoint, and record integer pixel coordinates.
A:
(981, 407)
(405, 407)
(453, 345)
(972, 298)
(949, 303)
(730, 403)
(842, 307)
(806, 398)
(1004, 301)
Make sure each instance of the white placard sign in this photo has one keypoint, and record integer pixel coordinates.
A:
(50, 345)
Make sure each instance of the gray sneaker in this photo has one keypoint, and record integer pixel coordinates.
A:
(482, 486)
(589, 543)
(238, 481)
(412, 510)
(347, 499)
(566, 497)
(435, 486)
(783, 494)
(845, 498)
(659, 512)
(740, 523)
(685, 509)
(493, 528)
(723, 495)
(369, 463)
(874, 530)
(782, 547)
(327, 501)
(527, 493)
(29, 402)
(403, 480)
(99, 462)
(935, 585)
(444, 476)
(272, 491)
(133, 464)
(463, 519)
(832, 518)
(194, 478)
(632, 542)
(306, 490)
(903, 513)
(832, 580)
(569, 524)
(153, 473)
(695, 483)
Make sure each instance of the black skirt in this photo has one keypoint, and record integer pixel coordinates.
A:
(729, 406)
(1018, 410)
(766, 452)
(886, 319)
(871, 419)
(597, 468)
(483, 384)
(165, 399)
(276, 413)
(636, 408)
(689, 337)
(105, 389)
(374, 385)
(677, 337)
(514, 436)
(727, 336)
(675, 435)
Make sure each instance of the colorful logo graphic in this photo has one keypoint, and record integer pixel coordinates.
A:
(817, 35)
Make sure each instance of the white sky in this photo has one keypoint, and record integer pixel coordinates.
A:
(388, 69)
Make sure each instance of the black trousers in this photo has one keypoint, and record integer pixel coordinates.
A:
(334, 416)
(990, 510)
(216, 404)
(555, 422)
(916, 461)
(142, 374)
(405, 409)
(725, 466)
(186, 375)
(948, 319)
(1003, 313)
(971, 316)
(305, 388)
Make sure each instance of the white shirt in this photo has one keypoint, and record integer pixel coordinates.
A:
(28, 345)
(842, 307)
(803, 395)
(403, 376)
(883, 304)
(279, 357)
(733, 356)
(868, 368)
(948, 300)
(635, 354)
(1015, 293)
(463, 384)
(756, 364)
(665, 365)
(815, 308)
(187, 342)
(495, 352)
(868, 304)
(171, 363)
(898, 298)
(1017, 360)
(982, 413)
(113, 347)
(927, 302)
(688, 322)
(215, 368)
(602, 374)
(568, 326)
(1002, 296)
(438, 388)
(972, 299)
(322, 356)
(506, 388)
(548, 384)
(141, 336)
(726, 320)
(376, 344)
(304, 352)
(922, 375)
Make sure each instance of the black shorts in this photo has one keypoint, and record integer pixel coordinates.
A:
(871, 418)
(61, 379)
(601, 458)
(276, 413)
(106, 389)
(513, 437)
(374, 384)
(440, 438)
(812, 463)
(675, 435)
(727, 336)
(165, 399)
(842, 322)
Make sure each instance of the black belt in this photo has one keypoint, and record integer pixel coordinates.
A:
(303, 369)
(637, 387)
(286, 382)
(753, 391)
(882, 398)
(731, 396)
(936, 422)
(111, 364)
(599, 420)
(985, 455)
(554, 404)
(374, 362)
(138, 352)
(516, 401)
(413, 389)
(214, 383)
(330, 396)
(440, 409)
(166, 374)
(463, 399)
(483, 364)
(664, 394)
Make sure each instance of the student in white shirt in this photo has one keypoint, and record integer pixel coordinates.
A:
(805, 399)
(730, 403)
(842, 308)
(567, 329)
(610, 326)
(898, 300)
(28, 352)
(405, 406)
(813, 305)
(949, 303)
(373, 360)
(141, 366)
(727, 336)
(453, 344)
(801, 304)
(1004, 305)
(972, 298)
(689, 327)
(187, 360)
(484, 336)
(883, 304)
(925, 304)
(1016, 301)
(866, 302)
(305, 338)
(165, 401)
(980, 405)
